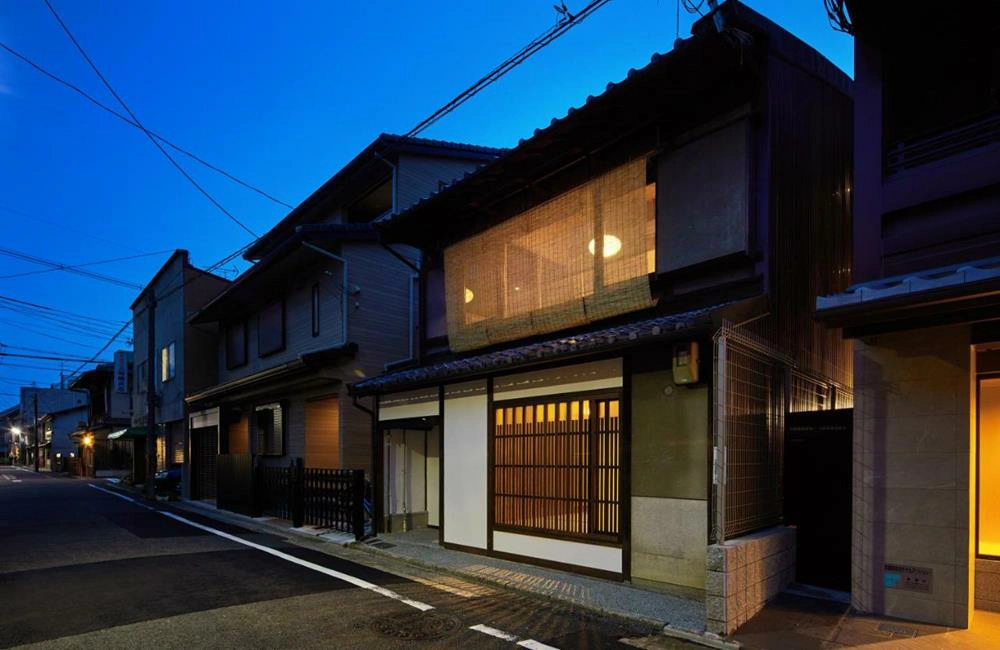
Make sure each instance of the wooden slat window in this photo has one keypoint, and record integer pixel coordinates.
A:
(557, 467)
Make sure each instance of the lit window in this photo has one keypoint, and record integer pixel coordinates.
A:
(583, 256)
(168, 366)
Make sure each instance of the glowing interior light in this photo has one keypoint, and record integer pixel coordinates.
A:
(612, 246)
(469, 295)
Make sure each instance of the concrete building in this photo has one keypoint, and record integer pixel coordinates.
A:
(924, 310)
(617, 326)
(324, 304)
(185, 358)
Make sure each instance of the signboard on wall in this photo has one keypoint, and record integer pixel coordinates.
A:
(910, 578)
(123, 360)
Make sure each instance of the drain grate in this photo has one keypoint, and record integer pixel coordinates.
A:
(417, 626)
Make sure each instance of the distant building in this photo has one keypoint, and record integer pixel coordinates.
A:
(109, 410)
(55, 428)
(10, 425)
(47, 400)
(185, 357)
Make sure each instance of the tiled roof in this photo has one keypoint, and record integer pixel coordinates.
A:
(914, 283)
(585, 342)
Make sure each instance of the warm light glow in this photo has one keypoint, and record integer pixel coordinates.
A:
(16, 430)
(989, 467)
(88, 440)
(612, 246)
(469, 295)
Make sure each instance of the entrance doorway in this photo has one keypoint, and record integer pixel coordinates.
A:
(204, 450)
(818, 495)
(412, 462)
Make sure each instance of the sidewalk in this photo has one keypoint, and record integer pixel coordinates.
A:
(681, 612)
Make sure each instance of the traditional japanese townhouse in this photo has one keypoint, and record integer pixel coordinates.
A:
(617, 319)
(55, 427)
(924, 309)
(184, 355)
(36, 402)
(110, 410)
(324, 304)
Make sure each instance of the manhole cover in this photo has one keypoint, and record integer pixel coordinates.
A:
(417, 626)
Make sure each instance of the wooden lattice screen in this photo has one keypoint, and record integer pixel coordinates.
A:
(557, 467)
(575, 259)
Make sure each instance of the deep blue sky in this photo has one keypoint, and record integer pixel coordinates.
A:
(279, 93)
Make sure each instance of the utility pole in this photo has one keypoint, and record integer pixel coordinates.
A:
(35, 413)
(150, 393)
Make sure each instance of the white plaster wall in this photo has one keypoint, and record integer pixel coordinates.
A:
(406, 465)
(433, 478)
(596, 375)
(605, 558)
(465, 465)
(209, 418)
(669, 540)
(411, 404)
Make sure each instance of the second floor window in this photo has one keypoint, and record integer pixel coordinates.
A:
(271, 329)
(315, 310)
(580, 257)
(236, 345)
(168, 365)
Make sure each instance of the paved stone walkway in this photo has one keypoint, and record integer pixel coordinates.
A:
(682, 609)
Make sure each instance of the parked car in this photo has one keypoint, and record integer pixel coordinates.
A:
(168, 481)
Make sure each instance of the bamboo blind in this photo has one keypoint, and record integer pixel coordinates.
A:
(557, 467)
(580, 257)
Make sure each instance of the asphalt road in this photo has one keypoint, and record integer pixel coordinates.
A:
(83, 567)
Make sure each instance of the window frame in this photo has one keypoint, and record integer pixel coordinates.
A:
(168, 370)
(241, 325)
(284, 333)
(591, 537)
(314, 301)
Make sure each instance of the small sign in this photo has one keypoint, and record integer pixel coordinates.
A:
(910, 578)
(123, 359)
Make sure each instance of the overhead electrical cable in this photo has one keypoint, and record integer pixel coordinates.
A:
(566, 23)
(42, 357)
(69, 267)
(132, 123)
(139, 124)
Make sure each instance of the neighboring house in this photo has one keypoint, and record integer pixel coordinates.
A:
(45, 400)
(110, 410)
(56, 426)
(924, 310)
(617, 303)
(10, 424)
(185, 358)
(325, 304)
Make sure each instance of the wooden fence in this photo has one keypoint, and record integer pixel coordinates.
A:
(324, 498)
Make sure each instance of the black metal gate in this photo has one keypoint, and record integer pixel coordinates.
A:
(818, 495)
(204, 450)
(234, 483)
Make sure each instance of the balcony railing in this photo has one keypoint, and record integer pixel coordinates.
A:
(915, 152)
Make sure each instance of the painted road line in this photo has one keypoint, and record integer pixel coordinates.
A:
(357, 582)
(492, 631)
(531, 644)
(121, 496)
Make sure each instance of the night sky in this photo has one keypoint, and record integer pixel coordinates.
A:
(280, 94)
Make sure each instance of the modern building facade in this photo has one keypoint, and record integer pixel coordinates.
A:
(924, 310)
(324, 304)
(617, 324)
(184, 355)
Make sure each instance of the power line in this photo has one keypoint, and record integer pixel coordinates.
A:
(139, 124)
(566, 23)
(46, 308)
(67, 228)
(69, 269)
(134, 124)
(78, 266)
(43, 357)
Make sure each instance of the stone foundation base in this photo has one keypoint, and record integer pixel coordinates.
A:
(744, 574)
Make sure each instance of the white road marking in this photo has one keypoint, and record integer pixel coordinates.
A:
(531, 644)
(357, 582)
(492, 631)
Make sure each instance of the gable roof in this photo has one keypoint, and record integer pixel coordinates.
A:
(346, 179)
